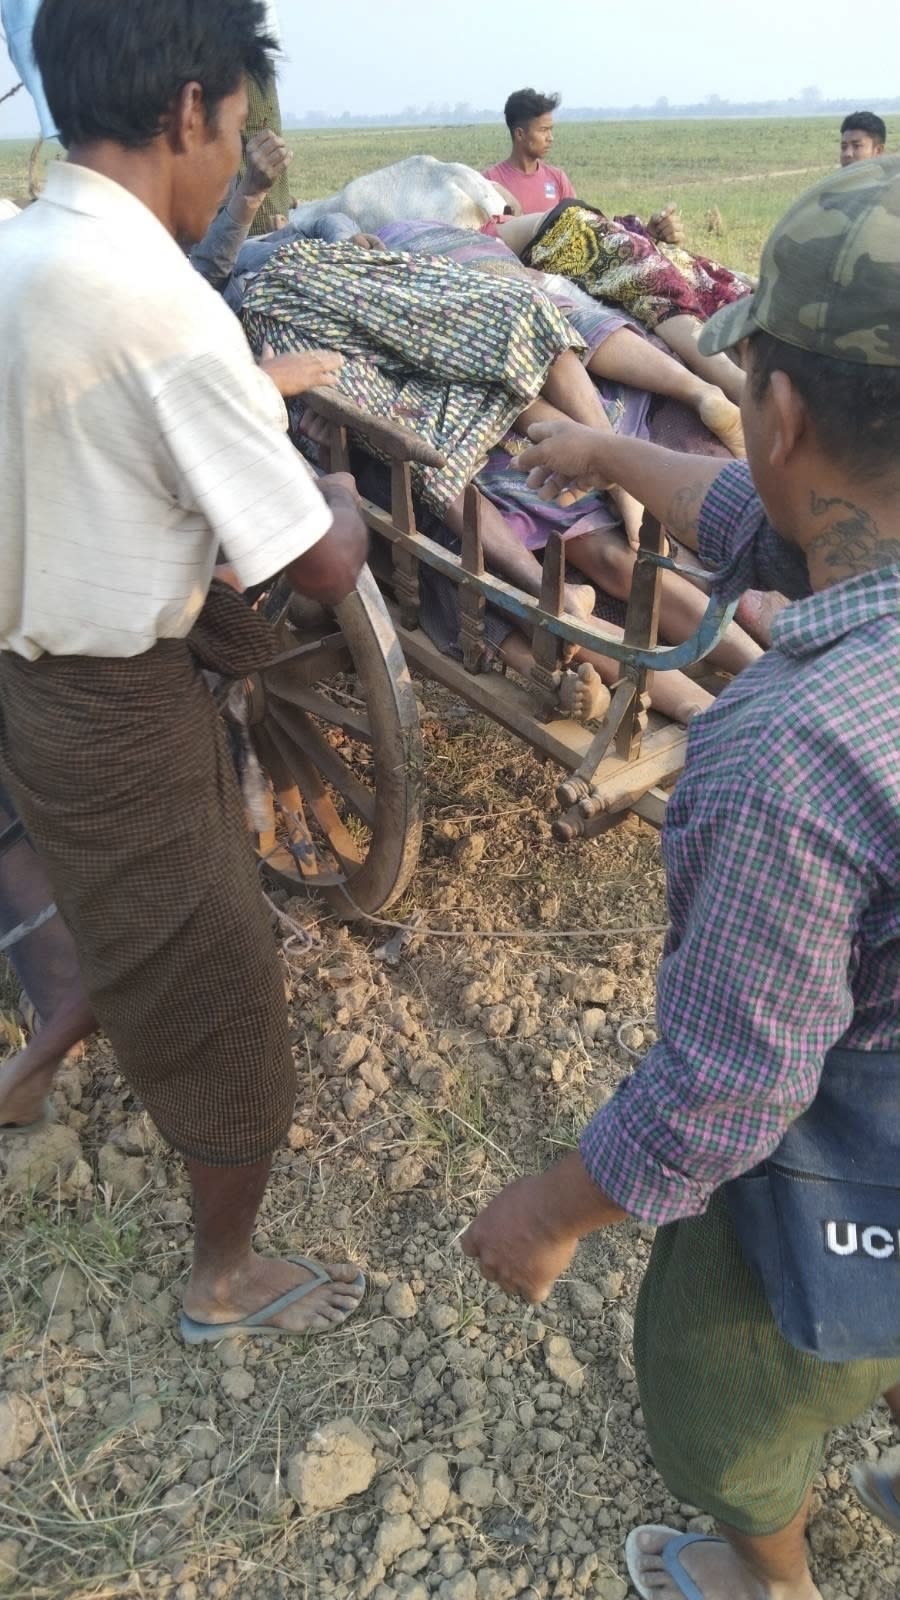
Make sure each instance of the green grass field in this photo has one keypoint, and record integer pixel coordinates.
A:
(749, 171)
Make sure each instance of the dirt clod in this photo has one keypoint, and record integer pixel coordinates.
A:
(337, 1463)
(19, 1427)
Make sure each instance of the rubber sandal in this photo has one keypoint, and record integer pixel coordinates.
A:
(261, 1321)
(876, 1491)
(671, 1559)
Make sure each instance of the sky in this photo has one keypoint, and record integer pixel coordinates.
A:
(362, 57)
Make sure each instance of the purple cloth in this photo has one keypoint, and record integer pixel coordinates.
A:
(782, 852)
(532, 519)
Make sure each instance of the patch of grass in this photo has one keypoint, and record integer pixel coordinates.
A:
(748, 170)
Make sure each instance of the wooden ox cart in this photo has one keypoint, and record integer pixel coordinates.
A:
(346, 767)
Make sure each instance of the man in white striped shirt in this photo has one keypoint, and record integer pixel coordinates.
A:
(137, 439)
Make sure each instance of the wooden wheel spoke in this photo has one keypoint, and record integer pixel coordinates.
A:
(302, 856)
(280, 686)
(302, 732)
(322, 806)
(293, 736)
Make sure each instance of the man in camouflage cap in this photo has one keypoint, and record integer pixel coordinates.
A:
(781, 974)
(829, 280)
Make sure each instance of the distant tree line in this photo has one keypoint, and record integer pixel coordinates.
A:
(809, 102)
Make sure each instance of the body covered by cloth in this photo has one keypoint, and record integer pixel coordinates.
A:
(450, 354)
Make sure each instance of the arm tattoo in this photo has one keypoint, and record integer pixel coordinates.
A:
(851, 542)
(683, 513)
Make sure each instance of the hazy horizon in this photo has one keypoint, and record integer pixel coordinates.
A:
(403, 57)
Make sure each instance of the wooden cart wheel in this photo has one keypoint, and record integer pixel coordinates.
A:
(345, 768)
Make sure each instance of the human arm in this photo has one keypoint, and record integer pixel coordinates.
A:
(526, 1237)
(329, 569)
(299, 370)
(222, 428)
(752, 994)
(215, 256)
(267, 158)
(567, 189)
(706, 504)
(671, 485)
(667, 226)
(768, 895)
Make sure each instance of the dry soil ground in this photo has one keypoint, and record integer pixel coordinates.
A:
(495, 1451)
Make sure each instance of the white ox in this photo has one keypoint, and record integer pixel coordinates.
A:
(419, 189)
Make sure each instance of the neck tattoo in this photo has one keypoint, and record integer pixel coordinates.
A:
(851, 542)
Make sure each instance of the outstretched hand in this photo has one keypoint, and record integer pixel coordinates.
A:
(299, 370)
(563, 458)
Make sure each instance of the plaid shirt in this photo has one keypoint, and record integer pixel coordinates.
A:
(782, 850)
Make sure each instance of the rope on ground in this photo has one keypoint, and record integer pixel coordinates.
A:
(299, 940)
(417, 929)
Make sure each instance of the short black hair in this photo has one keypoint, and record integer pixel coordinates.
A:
(855, 408)
(113, 69)
(526, 105)
(865, 122)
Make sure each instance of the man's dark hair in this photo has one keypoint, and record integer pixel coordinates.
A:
(526, 105)
(113, 69)
(865, 122)
(855, 408)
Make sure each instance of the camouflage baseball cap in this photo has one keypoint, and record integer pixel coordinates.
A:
(829, 280)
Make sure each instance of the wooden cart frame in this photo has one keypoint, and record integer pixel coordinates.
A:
(622, 765)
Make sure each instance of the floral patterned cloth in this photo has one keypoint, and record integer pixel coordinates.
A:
(620, 264)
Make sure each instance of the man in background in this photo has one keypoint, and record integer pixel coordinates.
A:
(525, 174)
(538, 187)
(863, 137)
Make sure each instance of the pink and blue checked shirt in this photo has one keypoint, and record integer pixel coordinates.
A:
(782, 850)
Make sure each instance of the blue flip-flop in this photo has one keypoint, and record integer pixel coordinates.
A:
(875, 1489)
(670, 1557)
(261, 1321)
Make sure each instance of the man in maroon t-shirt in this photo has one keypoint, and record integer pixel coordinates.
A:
(538, 187)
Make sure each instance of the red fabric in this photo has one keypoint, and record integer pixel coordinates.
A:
(536, 191)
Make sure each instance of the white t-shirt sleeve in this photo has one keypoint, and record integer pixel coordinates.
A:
(225, 429)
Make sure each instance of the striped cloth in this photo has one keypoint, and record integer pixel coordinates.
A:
(782, 850)
(454, 355)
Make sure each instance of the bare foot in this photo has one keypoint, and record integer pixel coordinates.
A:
(264, 1279)
(25, 1082)
(714, 1568)
(583, 694)
(22, 1104)
(580, 599)
(721, 417)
